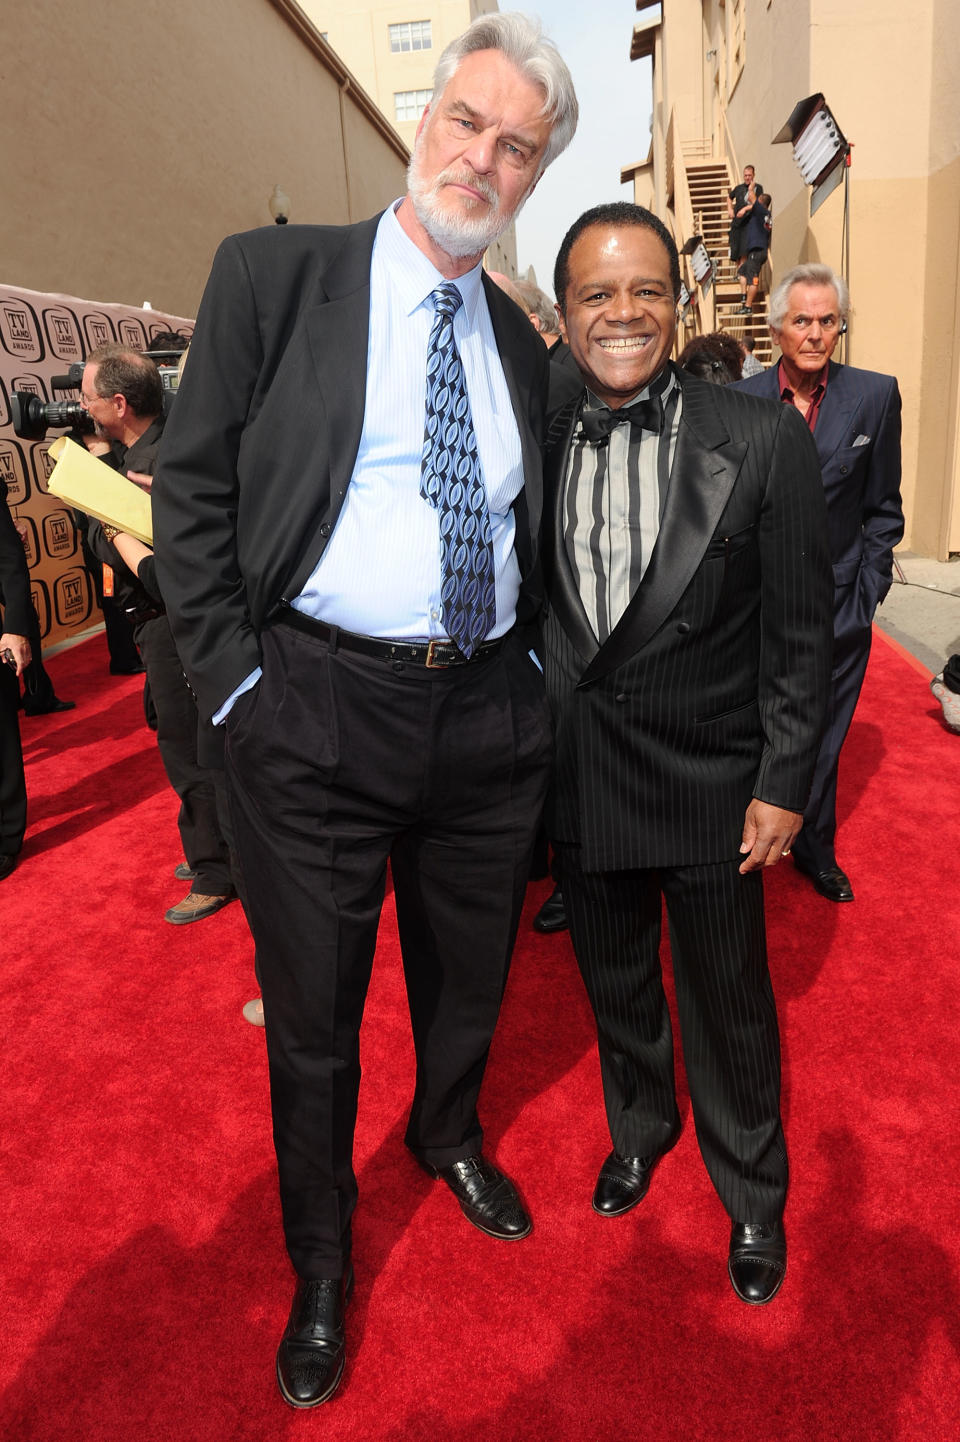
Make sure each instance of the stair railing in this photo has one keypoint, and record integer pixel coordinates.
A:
(686, 226)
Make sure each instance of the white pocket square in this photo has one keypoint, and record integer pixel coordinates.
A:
(862, 441)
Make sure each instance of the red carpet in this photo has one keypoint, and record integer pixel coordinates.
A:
(144, 1280)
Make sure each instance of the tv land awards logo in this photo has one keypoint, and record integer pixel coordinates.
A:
(32, 384)
(13, 471)
(19, 331)
(31, 543)
(72, 597)
(43, 464)
(63, 334)
(59, 535)
(98, 329)
(132, 333)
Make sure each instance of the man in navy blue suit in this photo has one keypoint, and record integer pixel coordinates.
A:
(855, 419)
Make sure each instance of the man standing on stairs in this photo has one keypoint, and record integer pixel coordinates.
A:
(855, 419)
(739, 204)
(756, 247)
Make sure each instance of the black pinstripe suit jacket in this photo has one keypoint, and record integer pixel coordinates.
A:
(712, 687)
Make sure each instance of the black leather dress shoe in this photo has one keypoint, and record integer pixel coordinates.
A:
(758, 1260)
(55, 705)
(312, 1350)
(552, 915)
(832, 883)
(8, 862)
(487, 1198)
(625, 1181)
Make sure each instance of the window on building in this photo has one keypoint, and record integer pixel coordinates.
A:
(408, 104)
(736, 34)
(411, 35)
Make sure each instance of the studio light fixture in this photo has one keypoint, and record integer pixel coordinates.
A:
(820, 149)
(822, 153)
(699, 260)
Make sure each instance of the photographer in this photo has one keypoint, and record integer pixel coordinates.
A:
(123, 395)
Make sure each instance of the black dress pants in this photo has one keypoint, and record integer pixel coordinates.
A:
(13, 790)
(38, 692)
(336, 763)
(121, 646)
(199, 823)
(728, 1018)
(815, 847)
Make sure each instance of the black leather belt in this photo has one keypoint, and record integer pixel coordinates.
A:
(435, 654)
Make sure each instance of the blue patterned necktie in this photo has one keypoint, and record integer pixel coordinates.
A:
(451, 480)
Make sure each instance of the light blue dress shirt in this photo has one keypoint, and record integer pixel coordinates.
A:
(380, 572)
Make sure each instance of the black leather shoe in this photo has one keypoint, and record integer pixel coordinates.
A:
(625, 1181)
(8, 863)
(487, 1198)
(758, 1260)
(832, 883)
(55, 705)
(312, 1350)
(551, 916)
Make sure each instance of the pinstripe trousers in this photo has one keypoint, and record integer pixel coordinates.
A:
(728, 1018)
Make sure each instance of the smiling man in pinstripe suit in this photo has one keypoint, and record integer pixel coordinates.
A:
(688, 652)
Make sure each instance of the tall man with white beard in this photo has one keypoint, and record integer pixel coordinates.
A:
(346, 515)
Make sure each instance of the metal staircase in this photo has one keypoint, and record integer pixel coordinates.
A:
(708, 182)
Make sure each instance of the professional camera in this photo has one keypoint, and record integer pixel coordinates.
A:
(32, 417)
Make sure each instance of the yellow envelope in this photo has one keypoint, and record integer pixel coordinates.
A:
(84, 481)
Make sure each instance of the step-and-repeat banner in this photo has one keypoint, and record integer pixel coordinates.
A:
(41, 337)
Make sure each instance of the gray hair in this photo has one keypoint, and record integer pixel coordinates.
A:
(810, 274)
(537, 302)
(520, 40)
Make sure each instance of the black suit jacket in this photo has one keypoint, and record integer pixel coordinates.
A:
(712, 687)
(260, 445)
(18, 614)
(861, 481)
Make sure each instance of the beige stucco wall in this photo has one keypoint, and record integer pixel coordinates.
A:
(360, 34)
(139, 133)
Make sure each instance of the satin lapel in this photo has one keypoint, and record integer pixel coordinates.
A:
(837, 418)
(564, 595)
(705, 467)
(337, 330)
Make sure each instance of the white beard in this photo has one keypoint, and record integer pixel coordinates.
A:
(456, 233)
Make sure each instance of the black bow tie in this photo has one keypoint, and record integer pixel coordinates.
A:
(643, 415)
